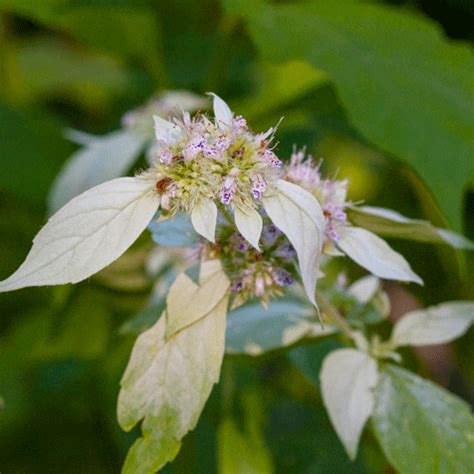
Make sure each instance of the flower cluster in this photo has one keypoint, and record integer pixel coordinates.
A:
(219, 159)
(263, 273)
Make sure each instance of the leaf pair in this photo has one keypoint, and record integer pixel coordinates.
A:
(354, 389)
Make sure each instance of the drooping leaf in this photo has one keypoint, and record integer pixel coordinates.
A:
(421, 427)
(436, 325)
(391, 223)
(298, 215)
(254, 330)
(187, 302)
(348, 377)
(101, 160)
(87, 234)
(405, 87)
(249, 223)
(167, 383)
(204, 218)
(375, 255)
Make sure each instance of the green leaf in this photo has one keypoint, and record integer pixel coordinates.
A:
(393, 224)
(405, 87)
(167, 383)
(130, 31)
(31, 150)
(254, 330)
(421, 427)
(244, 451)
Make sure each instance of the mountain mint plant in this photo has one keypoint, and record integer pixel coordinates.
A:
(262, 229)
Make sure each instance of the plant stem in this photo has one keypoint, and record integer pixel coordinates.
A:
(334, 314)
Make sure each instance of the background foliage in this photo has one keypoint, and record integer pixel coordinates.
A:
(382, 90)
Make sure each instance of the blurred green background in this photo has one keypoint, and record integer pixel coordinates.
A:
(382, 91)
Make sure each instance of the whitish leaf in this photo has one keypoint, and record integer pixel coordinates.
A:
(222, 112)
(101, 160)
(391, 223)
(165, 130)
(436, 325)
(364, 289)
(254, 330)
(204, 218)
(347, 380)
(298, 215)
(375, 255)
(403, 83)
(188, 302)
(166, 384)
(87, 234)
(249, 224)
(422, 428)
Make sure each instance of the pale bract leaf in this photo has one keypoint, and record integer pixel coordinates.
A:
(435, 325)
(204, 218)
(100, 160)
(391, 223)
(298, 215)
(364, 289)
(165, 130)
(188, 302)
(249, 223)
(167, 383)
(348, 378)
(87, 234)
(222, 112)
(375, 255)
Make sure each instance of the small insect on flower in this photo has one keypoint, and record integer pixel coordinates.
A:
(162, 185)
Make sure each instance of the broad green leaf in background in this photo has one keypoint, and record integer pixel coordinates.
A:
(167, 383)
(422, 427)
(282, 84)
(393, 224)
(102, 159)
(242, 452)
(254, 330)
(436, 325)
(123, 29)
(31, 151)
(299, 216)
(408, 89)
(348, 377)
(53, 67)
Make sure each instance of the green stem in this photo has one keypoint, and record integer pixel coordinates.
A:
(334, 315)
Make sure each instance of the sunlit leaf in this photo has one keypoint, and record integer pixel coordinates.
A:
(436, 325)
(249, 223)
(87, 234)
(204, 218)
(167, 383)
(347, 380)
(375, 255)
(298, 215)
